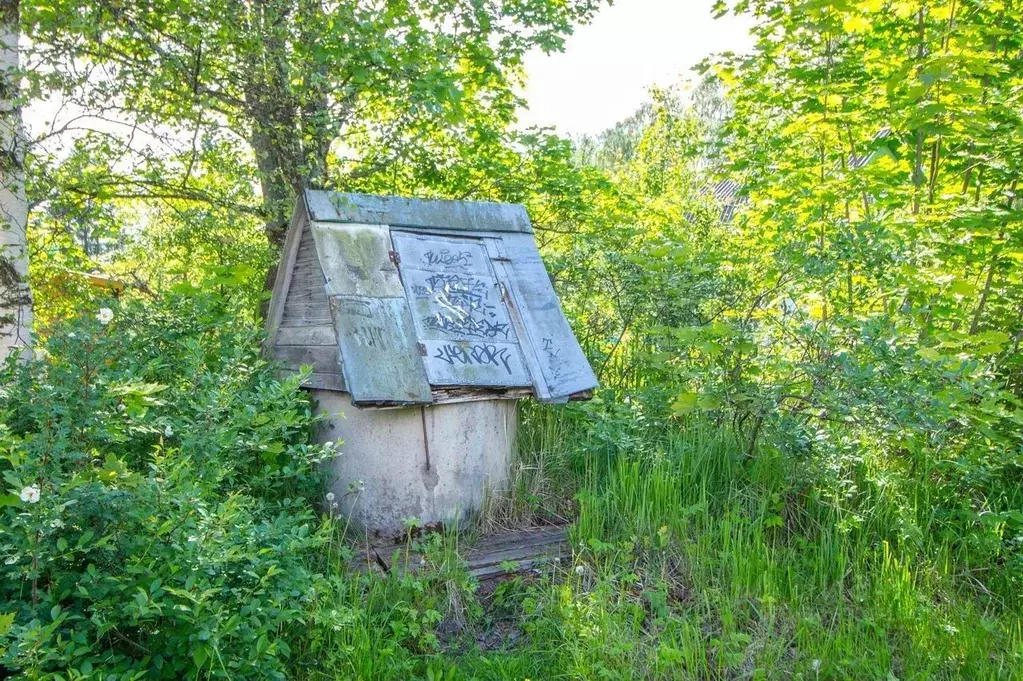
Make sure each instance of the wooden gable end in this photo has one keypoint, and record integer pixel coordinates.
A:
(304, 332)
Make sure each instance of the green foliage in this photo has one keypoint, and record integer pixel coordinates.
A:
(158, 514)
(207, 238)
(367, 626)
(859, 314)
(707, 563)
(322, 93)
(690, 560)
(805, 461)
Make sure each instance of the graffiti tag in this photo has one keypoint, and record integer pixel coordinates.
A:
(482, 354)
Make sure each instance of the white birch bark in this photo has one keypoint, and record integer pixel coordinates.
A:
(15, 296)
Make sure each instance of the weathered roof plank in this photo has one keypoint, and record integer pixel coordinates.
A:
(381, 363)
(472, 216)
(356, 260)
(562, 362)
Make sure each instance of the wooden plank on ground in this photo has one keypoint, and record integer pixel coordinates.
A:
(492, 557)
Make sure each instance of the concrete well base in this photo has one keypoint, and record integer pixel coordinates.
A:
(432, 463)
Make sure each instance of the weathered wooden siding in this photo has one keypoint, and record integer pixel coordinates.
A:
(306, 303)
(306, 334)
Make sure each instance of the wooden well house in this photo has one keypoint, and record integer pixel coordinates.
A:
(423, 322)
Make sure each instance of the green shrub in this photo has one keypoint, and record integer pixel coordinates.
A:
(157, 518)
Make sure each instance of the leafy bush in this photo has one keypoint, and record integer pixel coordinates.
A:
(158, 515)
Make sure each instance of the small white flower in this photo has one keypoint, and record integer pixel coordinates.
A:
(30, 494)
(168, 431)
(816, 665)
(56, 523)
(579, 569)
(330, 496)
(105, 315)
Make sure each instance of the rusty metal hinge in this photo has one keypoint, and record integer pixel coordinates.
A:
(395, 258)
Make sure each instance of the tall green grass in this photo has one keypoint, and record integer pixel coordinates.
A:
(692, 560)
(776, 581)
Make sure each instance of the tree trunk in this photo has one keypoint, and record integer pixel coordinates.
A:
(15, 295)
(996, 251)
(290, 135)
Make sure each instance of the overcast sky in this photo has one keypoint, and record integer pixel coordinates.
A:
(607, 66)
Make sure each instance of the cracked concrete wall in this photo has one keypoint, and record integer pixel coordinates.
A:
(433, 463)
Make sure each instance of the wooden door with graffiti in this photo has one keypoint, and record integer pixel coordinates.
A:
(459, 311)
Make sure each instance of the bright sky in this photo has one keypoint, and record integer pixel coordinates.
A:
(607, 66)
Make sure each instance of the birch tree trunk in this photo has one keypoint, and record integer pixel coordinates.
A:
(15, 296)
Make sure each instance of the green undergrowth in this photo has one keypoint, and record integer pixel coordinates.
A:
(161, 520)
(691, 560)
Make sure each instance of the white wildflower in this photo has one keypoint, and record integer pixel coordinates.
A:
(30, 494)
(330, 496)
(56, 523)
(105, 315)
(168, 431)
(579, 569)
(816, 665)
